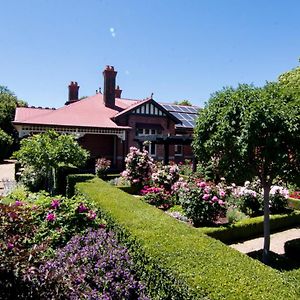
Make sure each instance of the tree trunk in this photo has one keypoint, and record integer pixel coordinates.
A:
(266, 249)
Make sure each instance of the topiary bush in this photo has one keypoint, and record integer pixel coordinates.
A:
(292, 249)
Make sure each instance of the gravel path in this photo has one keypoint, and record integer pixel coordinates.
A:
(277, 242)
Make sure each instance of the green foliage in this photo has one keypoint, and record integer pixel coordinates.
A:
(73, 179)
(8, 104)
(177, 261)
(233, 215)
(294, 203)
(58, 219)
(46, 152)
(250, 132)
(291, 82)
(252, 227)
(6, 142)
(183, 102)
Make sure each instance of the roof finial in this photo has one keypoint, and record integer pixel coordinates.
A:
(151, 97)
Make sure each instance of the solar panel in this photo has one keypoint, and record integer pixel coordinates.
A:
(186, 114)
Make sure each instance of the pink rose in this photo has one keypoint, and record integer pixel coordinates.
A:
(206, 197)
(215, 199)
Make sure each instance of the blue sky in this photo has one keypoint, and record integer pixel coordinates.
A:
(175, 49)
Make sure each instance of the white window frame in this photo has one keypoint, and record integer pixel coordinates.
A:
(148, 132)
(176, 152)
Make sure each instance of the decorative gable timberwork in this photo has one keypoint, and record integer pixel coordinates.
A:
(148, 109)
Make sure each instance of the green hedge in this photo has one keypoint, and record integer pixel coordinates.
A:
(177, 261)
(252, 227)
(294, 203)
(73, 179)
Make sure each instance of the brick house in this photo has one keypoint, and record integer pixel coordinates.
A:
(108, 125)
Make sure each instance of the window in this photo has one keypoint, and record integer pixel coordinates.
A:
(178, 150)
(151, 148)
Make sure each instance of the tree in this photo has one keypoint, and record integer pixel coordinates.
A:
(46, 152)
(250, 132)
(8, 104)
(183, 102)
(5, 144)
(290, 82)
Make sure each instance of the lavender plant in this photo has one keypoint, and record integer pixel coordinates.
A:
(91, 266)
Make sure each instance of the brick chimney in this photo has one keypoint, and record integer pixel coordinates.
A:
(118, 92)
(73, 92)
(109, 93)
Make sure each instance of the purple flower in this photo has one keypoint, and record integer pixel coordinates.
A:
(10, 246)
(51, 217)
(91, 215)
(82, 208)
(55, 203)
(18, 203)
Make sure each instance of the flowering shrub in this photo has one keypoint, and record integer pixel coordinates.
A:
(102, 165)
(17, 254)
(201, 202)
(91, 266)
(165, 176)
(58, 219)
(138, 167)
(186, 167)
(278, 199)
(157, 196)
(295, 195)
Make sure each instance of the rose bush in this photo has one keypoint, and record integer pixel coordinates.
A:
(102, 165)
(165, 175)
(138, 167)
(203, 203)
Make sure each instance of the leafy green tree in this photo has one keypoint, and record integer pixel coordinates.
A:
(183, 102)
(46, 152)
(5, 144)
(8, 104)
(290, 81)
(248, 132)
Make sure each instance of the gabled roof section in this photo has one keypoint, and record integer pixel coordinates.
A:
(147, 107)
(88, 112)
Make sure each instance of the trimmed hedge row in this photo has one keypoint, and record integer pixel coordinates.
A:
(177, 261)
(73, 179)
(251, 227)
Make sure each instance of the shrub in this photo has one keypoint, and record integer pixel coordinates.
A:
(186, 167)
(201, 202)
(157, 196)
(252, 227)
(165, 176)
(177, 261)
(73, 179)
(91, 266)
(58, 219)
(292, 249)
(233, 215)
(138, 167)
(102, 165)
(278, 199)
(6, 142)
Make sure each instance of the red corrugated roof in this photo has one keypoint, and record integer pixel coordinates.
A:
(88, 112)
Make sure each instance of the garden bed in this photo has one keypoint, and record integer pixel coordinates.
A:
(178, 261)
